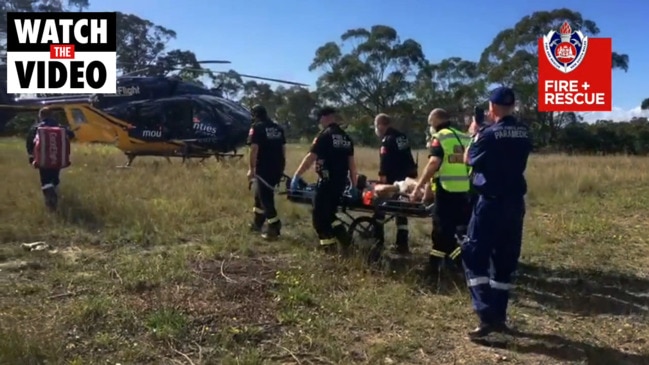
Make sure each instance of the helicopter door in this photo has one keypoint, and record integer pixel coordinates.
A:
(149, 121)
(86, 130)
(178, 118)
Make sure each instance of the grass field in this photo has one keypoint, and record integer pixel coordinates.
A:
(154, 265)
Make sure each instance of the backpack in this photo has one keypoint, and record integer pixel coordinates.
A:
(51, 148)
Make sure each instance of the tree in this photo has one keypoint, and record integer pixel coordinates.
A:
(140, 42)
(453, 83)
(260, 93)
(512, 60)
(230, 84)
(645, 104)
(296, 105)
(375, 73)
(184, 62)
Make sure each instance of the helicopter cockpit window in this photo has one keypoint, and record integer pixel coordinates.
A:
(201, 114)
(78, 117)
(227, 113)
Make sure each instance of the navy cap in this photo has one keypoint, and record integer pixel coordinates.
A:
(502, 96)
(327, 110)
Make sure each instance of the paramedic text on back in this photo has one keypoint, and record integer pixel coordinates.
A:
(89, 33)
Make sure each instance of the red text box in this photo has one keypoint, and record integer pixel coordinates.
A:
(62, 51)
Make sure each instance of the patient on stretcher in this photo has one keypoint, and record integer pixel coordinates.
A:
(387, 191)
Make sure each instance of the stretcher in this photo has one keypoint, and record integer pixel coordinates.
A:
(365, 221)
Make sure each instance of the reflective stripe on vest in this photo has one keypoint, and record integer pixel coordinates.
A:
(453, 173)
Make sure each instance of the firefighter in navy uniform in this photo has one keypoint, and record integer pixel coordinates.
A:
(396, 164)
(333, 152)
(450, 182)
(50, 178)
(498, 156)
(266, 167)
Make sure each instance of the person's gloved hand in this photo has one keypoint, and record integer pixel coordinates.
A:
(31, 160)
(355, 194)
(295, 183)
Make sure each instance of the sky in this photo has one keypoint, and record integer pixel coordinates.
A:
(278, 38)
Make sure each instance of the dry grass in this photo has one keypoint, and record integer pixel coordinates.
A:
(154, 265)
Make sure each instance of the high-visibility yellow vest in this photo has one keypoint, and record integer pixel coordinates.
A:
(453, 173)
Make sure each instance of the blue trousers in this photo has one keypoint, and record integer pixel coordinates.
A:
(491, 252)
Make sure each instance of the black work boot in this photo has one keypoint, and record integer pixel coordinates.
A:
(328, 246)
(400, 249)
(272, 231)
(485, 329)
(258, 223)
(51, 198)
(343, 237)
(435, 264)
(401, 245)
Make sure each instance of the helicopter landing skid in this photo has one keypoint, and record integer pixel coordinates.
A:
(129, 161)
(228, 156)
(186, 157)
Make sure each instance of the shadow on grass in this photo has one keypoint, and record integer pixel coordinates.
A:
(416, 271)
(72, 210)
(563, 349)
(584, 292)
(570, 290)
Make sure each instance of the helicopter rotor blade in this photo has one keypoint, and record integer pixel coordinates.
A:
(136, 72)
(215, 62)
(265, 78)
(191, 69)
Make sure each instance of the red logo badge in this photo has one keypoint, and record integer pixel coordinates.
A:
(575, 72)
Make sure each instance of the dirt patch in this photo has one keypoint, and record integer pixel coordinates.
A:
(230, 297)
(242, 288)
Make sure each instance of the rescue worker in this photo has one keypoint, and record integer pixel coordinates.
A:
(50, 178)
(333, 153)
(265, 169)
(498, 156)
(396, 163)
(450, 183)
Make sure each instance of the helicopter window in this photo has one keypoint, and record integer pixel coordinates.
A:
(201, 114)
(178, 117)
(149, 115)
(78, 117)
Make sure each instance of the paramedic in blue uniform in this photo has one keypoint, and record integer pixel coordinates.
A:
(333, 153)
(265, 169)
(50, 178)
(396, 164)
(498, 155)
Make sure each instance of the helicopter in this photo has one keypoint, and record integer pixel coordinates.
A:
(152, 116)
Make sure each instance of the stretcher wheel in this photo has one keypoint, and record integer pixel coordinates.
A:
(362, 229)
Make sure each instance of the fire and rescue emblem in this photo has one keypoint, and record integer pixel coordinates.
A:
(566, 49)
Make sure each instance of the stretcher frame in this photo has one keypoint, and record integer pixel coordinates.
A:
(365, 224)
